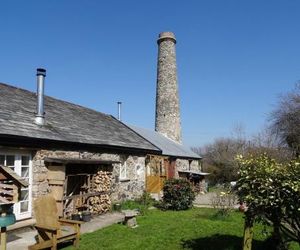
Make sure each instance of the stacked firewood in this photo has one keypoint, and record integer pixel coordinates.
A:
(99, 204)
(102, 181)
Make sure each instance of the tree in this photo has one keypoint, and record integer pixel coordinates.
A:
(272, 192)
(285, 120)
(219, 159)
(264, 142)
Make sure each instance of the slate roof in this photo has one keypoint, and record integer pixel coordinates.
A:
(65, 122)
(168, 147)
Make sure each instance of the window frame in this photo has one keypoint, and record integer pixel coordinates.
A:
(18, 154)
(123, 172)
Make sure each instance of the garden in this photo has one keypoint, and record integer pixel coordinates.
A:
(197, 228)
(175, 224)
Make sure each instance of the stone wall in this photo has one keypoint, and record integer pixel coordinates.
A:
(129, 188)
(182, 164)
(134, 184)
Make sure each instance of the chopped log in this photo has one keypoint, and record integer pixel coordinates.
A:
(99, 204)
(94, 194)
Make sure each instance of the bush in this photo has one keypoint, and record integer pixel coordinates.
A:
(145, 199)
(272, 192)
(178, 194)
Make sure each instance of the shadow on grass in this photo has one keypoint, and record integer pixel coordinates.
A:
(220, 242)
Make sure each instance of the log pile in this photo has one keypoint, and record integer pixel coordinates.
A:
(99, 204)
(90, 192)
(101, 183)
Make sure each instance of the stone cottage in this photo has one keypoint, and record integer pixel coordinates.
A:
(58, 147)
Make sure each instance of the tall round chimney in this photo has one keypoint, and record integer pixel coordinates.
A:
(167, 118)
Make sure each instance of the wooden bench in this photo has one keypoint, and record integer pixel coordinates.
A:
(51, 229)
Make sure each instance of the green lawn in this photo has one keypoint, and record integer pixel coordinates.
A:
(197, 228)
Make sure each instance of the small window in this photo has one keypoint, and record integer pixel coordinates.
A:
(25, 160)
(24, 206)
(2, 159)
(123, 171)
(10, 160)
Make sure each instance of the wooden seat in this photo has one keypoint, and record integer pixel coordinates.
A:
(51, 229)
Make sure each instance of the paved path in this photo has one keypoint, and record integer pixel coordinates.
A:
(18, 240)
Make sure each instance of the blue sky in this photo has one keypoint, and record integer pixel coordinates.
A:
(234, 57)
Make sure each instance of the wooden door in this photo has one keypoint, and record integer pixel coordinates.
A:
(170, 166)
(156, 174)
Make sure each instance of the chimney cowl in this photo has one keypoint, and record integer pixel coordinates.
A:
(40, 72)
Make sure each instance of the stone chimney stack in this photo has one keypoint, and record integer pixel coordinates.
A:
(167, 118)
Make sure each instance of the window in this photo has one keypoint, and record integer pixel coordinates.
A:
(123, 171)
(138, 172)
(21, 164)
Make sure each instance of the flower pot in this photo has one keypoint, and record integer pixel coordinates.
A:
(75, 216)
(86, 216)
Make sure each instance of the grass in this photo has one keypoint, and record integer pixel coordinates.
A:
(197, 228)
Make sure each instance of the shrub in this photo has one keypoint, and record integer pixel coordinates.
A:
(272, 193)
(178, 194)
(145, 199)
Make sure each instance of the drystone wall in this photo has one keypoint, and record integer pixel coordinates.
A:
(121, 189)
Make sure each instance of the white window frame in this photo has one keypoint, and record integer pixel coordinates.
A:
(138, 176)
(18, 168)
(123, 171)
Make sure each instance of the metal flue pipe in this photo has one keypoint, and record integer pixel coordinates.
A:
(40, 114)
(119, 110)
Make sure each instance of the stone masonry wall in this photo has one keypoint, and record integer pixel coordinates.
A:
(182, 164)
(167, 118)
(129, 188)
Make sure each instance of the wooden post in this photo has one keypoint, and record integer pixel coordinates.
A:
(3, 238)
